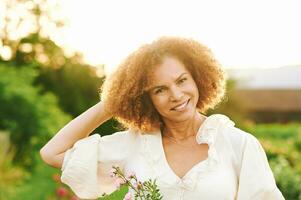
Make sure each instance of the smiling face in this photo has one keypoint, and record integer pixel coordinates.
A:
(173, 91)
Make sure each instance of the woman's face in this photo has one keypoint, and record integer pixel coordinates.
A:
(173, 91)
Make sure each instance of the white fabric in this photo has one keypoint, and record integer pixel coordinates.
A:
(236, 168)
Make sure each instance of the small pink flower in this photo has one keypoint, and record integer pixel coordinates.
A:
(61, 192)
(131, 175)
(112, 173)
(135, 185)
(119, 182)
(128, 196)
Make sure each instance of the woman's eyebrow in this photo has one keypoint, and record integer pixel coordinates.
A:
(162, 86)
(181, 76)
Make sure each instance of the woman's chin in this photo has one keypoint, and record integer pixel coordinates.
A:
(181, 117)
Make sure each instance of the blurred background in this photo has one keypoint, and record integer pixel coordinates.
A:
(55, 55)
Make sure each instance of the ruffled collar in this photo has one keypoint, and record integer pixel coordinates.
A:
(207, 133)
(210, 127)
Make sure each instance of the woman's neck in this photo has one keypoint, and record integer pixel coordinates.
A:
(185, 129)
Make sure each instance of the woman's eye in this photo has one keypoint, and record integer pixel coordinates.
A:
(182, 80)
(158, 91)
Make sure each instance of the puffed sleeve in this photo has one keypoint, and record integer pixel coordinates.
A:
(87, 164)
(256, 179)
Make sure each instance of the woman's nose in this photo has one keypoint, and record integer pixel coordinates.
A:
(175, 94)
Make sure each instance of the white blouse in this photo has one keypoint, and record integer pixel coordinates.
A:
(236, 168)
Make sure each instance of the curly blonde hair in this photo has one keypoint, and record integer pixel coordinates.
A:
(125, 92)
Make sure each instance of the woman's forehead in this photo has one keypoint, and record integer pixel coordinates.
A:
(170, 66)
(169, 70)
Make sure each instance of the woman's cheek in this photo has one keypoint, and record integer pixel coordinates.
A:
(160, 104)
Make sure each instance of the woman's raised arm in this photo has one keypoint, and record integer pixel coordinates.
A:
(53, 152)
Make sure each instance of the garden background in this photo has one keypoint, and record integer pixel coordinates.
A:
(42, 87)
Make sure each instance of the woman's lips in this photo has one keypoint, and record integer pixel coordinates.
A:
(181, 107)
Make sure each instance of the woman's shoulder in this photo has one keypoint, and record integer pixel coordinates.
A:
(239, 136)
(230, 134)
(238, 141)
(227, 127)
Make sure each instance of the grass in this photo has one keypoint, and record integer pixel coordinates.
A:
(39, 185)
(276, 131)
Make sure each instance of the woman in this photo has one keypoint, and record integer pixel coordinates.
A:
(159, 93)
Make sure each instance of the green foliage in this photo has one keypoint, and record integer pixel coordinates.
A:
(74, 83)
(275, 131)
(117, 195)
(288, 180)
(10, 175)
(76, 86)
(153, 189)
(281, 143)
(280, 139)
(39, 185)
(31, 118)
(40, 50)
(298, 141)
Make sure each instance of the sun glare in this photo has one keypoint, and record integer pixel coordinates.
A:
(241, 34)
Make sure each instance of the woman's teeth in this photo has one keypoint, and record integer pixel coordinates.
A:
(181, 107)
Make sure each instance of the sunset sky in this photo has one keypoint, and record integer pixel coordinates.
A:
(242, 34)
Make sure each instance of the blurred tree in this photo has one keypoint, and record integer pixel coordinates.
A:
(25, 18)
(10, 175)
(231, 105)
(29, 117)
(27, 30)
